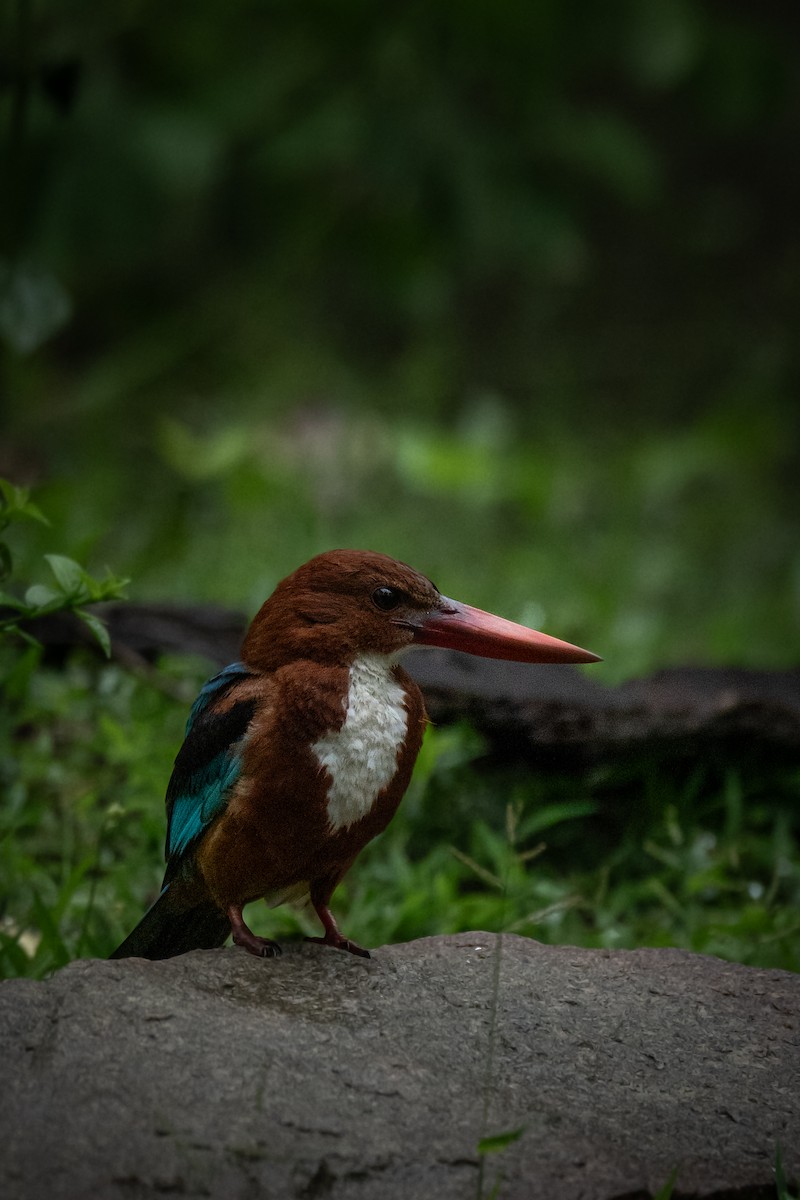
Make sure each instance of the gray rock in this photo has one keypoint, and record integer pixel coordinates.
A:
(323, 1075)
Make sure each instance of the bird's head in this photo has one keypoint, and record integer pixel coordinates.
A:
(347, 603)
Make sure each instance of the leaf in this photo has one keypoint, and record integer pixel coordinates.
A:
(40, 596)
(98, 629)
(29, 509)
(78, 585)
(109, 588)
(665, 1192)
(496, 1142)
(14, 498)
(70, 576)
(553, 814)
(15, 501)
(781, 1185)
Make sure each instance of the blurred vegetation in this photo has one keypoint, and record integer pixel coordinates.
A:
(70, 589)
(706, 857)
(509, 291)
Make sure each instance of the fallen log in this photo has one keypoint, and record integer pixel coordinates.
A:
(553, 714)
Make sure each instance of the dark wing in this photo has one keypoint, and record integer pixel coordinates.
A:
(208, 764)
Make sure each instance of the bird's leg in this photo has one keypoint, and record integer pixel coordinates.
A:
(244, 937)
(333, 936)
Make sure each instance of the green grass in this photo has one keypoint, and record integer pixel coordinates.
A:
(699, 856)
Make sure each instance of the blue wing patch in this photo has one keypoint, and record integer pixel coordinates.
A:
(195, 809)
(216, 687)
(208, 763)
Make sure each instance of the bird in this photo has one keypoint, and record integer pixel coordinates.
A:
(297, 755)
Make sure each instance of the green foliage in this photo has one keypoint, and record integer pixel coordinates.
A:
(665, 1192)
(72, 586)
(321, 218)
(705, 858)
(782, 1188)
(670, 548)
(390, 173)
(503, 293)
(496, 1142)
(701, 858)
(15, 505)
(84, 755)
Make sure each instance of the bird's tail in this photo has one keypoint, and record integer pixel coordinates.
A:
(167, 929)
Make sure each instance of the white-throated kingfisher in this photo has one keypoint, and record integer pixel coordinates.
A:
(299, 754)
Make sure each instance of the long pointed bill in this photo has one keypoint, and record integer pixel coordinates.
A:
(457, 626)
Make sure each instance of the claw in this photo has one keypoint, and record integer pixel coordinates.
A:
(243, 936)
(333, 936)
(260, 947)
(340, 943)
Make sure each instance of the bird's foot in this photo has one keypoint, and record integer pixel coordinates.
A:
(333, 935)
(339, 942)
(243, 936)
(261, 947)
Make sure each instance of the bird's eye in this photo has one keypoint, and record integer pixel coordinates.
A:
(386, 598)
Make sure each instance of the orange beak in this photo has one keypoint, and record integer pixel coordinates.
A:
(456, 626)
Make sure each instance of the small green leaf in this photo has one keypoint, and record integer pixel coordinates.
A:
(70, 576)
(553, 814)
(40, 596)
(109, 588)
(665, 1192)
(12, 497)
(33, 511)
(781, 1184)
(496, 1142)
(15, 502)
(98, 629)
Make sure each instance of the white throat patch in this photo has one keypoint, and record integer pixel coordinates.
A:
(361, 757)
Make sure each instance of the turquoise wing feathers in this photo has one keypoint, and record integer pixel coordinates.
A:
(208, 764)
(206, 770)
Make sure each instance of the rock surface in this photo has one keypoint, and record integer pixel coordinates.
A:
(323, 1075)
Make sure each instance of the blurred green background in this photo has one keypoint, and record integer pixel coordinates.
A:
(509, 291)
